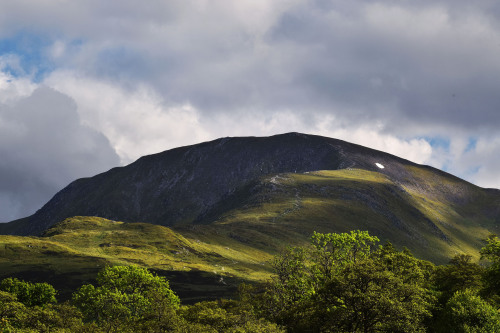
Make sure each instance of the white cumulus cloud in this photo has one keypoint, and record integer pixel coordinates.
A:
(43, 147)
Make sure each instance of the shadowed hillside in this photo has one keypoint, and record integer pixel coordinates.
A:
(181, 186)
(279, 189)
(233, 203)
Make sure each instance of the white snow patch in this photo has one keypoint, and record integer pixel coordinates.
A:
(379, 165)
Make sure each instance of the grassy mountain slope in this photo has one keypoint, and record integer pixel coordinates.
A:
(180, 186)
(435, 217)
(73, 251)
(232, 203)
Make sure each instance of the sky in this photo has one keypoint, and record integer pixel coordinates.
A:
(87, 85)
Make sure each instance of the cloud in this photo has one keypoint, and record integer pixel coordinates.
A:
(44, 147)
(12, 88)
(139, 122)
(426, 63)
(373, 136)
(136, 121)
(479, 160)
(398, 76)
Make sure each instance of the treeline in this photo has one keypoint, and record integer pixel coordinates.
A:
(340, 283)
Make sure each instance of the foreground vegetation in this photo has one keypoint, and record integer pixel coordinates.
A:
(340, 283)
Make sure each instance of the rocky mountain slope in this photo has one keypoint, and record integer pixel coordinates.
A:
(268, 191)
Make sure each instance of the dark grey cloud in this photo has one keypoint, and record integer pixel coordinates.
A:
(426, 63)
(162, 73)
(433, 64)
(43, 146)
(359, 60)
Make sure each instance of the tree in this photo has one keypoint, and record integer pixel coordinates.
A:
(468, 313)
(332, 251)
(225, 316)
(30, 294)
(492, 275)
(342, 284)
(126, 296)
(386, 292)
(17, 317)
(291, 288)
(492, 249)
(12, 312)
(460, 274)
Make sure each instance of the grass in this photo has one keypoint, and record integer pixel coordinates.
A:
(426, 220)
(79, 247)
(434, 217)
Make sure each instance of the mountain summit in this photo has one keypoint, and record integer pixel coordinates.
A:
(181, 185)
(235, 180)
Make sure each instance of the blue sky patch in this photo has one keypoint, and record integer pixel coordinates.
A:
(471, 145)
(439, 142)
(30, 49)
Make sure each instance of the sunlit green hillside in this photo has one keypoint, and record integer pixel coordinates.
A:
(434, 216)
(74, 250)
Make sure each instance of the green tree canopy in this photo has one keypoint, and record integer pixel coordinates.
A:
(492, 277)
(127, 295)
(466, 312)
(460, 274)
(343, 283)
(225, 316)
(30, 294)
(492, 249)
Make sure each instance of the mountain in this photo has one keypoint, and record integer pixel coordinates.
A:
(270, 191)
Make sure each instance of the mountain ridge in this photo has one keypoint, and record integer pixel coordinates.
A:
(216, 213)
(329, 154)
(228, 183)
